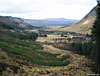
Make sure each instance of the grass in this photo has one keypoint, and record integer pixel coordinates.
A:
(37, 57)
(28, 51)
(21, 43)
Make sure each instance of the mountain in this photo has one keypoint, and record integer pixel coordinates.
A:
(51, 22)
(14, 22)
(84, 25)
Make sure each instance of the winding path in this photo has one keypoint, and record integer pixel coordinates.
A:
(79, 65)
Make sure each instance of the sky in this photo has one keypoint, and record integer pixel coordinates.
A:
(40, 9)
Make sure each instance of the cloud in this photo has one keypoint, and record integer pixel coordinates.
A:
(38, 9)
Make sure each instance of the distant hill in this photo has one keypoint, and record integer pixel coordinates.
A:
(84, 25)
(14, 22)
(51, 22)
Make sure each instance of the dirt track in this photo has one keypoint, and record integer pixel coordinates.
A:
(79, 65)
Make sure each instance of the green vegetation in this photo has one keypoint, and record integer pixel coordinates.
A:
(34, 56)
(15, 47)
(5, 26)
(19, 35)
(43, 35)
(96, 38)
(80, 48)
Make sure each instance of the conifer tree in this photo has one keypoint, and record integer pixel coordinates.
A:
(96, 38)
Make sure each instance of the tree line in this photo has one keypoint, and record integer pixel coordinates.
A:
(96, 38)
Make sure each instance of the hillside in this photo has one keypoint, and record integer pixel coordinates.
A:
(51, 22)
(84, 25)
(14, 22)
(28, 59)
(20, 55)
(18, 49)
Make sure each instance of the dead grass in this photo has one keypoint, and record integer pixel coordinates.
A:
(77, 67)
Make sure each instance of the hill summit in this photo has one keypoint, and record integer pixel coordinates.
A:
(84, 25)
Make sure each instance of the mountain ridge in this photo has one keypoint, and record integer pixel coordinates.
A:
(84, 25)
(14, 22)
(50, 21)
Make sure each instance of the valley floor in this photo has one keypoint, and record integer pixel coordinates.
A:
(79, 65)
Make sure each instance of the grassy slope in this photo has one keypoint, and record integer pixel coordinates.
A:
(27, 51)
(22, 55)
(83, 26)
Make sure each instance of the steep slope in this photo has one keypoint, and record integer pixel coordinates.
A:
(16, 23)
(51, 22)
(83, 26)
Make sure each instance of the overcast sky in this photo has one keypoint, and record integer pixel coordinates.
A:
(39, 9)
